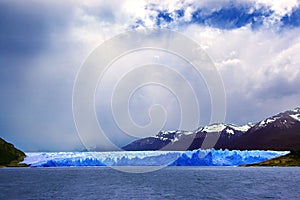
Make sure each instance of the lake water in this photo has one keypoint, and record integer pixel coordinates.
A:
(167, 183)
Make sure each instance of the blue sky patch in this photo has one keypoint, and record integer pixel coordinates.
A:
(292, 20)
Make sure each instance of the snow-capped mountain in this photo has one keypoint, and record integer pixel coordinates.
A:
(279, 132)
(178, 140)
(282, 120)
(230, 128)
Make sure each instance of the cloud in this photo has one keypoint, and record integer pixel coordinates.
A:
(254, 45)
(255, 65)
(223, 15)
(35, 75)
(27, 28)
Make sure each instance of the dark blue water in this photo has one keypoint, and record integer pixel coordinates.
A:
(168, 183)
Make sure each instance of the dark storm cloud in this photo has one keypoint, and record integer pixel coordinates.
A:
(26, 27)
(279, 87)
(35, 90)
(22, 32)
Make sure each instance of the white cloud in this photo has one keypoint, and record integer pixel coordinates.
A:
(280, 7)
(260, 68)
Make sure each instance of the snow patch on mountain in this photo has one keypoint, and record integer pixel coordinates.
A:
(172, 136)
(243, 128)
(175, 139)
(161, 137)
(230, 128)
(267, 121)
(188, 133)
(296, 117)
(296, 110)
(230, 131)
(214, 128)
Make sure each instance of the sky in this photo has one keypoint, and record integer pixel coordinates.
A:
(254, 45)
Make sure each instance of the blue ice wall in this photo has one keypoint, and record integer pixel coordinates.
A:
(198, 157)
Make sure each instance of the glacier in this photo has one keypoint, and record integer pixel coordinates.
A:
(199, 157)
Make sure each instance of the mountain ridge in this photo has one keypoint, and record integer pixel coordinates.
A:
(278, 132)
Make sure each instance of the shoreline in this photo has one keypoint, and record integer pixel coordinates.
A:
(290, 160)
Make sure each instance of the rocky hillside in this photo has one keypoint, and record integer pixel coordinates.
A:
(9, 155)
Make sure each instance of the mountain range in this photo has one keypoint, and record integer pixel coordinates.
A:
(279, 132)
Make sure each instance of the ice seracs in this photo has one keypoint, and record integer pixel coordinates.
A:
(209, 157)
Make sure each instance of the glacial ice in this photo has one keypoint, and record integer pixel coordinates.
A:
(198, 157)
